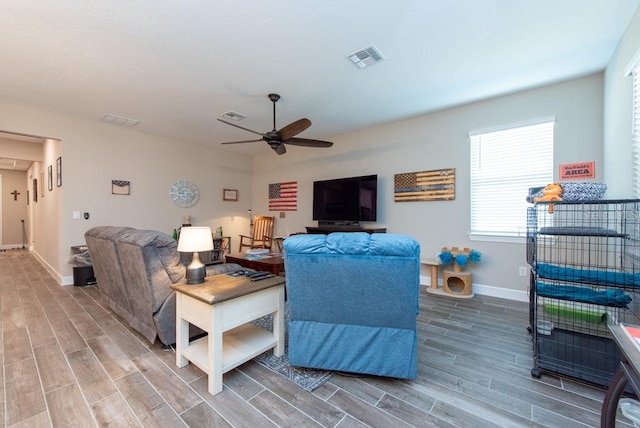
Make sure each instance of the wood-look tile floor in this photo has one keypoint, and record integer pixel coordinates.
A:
(70, 362)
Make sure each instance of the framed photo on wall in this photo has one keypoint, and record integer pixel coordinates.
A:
(59, 171)
(120, 187)
(50, 178)
(230, 195)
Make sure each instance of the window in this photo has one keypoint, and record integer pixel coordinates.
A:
(635, 133)
(505, 163)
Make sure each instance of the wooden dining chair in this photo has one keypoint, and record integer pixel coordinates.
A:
(262, 236)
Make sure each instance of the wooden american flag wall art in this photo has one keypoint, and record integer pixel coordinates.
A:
(435, 185)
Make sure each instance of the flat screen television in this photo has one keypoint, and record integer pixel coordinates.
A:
(345, 200)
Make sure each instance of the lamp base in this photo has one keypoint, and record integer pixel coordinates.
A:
(196, 271)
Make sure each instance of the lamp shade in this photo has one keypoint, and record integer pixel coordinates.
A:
(195, 238)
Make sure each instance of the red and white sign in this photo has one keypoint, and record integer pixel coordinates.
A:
(576, 171)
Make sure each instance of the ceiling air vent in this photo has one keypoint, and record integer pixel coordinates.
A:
(119, 120)
(365, 57)
(7, 163)
(232, 115)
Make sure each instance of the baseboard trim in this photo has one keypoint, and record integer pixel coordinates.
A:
(62, 280)
(489, 290)
(12, 247)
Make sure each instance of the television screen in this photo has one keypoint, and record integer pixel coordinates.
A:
(350, 199)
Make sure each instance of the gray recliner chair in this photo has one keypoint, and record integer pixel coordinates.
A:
(134, 269)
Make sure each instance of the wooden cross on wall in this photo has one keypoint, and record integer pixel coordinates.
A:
(15, 194)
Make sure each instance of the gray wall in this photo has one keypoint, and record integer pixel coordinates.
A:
(436, 141)
(617, 114)
(94, 153)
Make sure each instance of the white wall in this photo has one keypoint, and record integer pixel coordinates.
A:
(44, 216)
(94, 153)
(436, 141)
(617, 114)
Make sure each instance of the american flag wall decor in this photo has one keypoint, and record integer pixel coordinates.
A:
(436, 185)
(283, 196)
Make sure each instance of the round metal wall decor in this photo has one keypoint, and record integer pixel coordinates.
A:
(184, 193)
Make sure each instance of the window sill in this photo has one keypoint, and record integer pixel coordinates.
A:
(487, 237)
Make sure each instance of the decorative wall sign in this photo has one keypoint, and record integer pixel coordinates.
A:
(59, 172)
(120, 187)
(229, 195)
(436, 185)
(577, 171)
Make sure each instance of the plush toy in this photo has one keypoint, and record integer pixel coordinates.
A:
(551, 193)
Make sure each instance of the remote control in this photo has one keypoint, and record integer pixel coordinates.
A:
(258, 278)
(256, 273)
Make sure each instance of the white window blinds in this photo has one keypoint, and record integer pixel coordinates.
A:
(505, 163)
(635, 134)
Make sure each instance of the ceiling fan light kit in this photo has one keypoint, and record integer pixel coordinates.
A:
(287, 135)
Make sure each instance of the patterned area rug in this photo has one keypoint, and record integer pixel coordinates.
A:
(307, 379)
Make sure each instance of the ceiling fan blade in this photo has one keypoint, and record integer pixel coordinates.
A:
(306, 142)
(241, 127)
(280, 149)
(243, 141)
(293, 129)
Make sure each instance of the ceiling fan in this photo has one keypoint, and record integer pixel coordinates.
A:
(286, 135)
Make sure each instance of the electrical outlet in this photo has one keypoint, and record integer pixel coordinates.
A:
(523, 271)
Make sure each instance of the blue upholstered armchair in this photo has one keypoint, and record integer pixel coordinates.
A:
(353, 300)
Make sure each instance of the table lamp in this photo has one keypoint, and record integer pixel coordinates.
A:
(195, 239)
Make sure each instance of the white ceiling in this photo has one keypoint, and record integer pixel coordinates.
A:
(177, 66)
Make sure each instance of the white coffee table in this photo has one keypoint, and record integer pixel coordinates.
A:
(223, 306)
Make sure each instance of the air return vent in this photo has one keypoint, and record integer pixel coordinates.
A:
(119, 120)
(232, 115)
(7, 163)
(365, 57)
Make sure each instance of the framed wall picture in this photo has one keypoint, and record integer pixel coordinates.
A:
(120, 187)
(35, 190)
(50, 178)
(59, 172)
(229, 195)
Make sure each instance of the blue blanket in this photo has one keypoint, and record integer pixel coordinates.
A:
(610, 297)
(597, 277)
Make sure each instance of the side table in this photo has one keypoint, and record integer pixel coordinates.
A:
(223, 306)
(629, 372)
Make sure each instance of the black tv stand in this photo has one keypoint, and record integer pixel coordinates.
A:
(339, 223)
(328, 227)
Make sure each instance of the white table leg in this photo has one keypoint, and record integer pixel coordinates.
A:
(278, 324)
(182, 332)
(214, 358)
